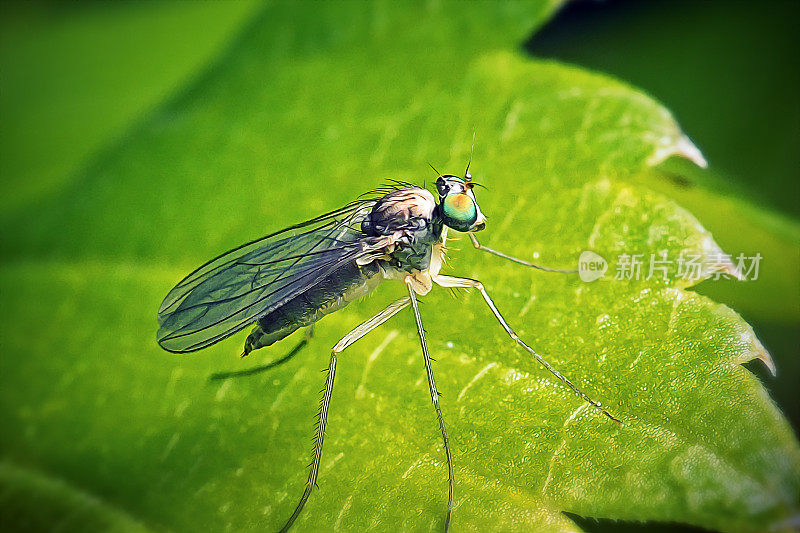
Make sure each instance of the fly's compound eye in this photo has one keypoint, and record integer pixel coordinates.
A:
(459, 211)
(442, 187)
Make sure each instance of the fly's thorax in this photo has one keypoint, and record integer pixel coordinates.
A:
(410, 216)
(411, 208)
(421, 278)
(415, 253)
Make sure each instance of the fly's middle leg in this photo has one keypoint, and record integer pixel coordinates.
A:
(466, 283)
(360, 330)
(435, 397)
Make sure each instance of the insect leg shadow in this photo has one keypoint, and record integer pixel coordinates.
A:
(309, 332)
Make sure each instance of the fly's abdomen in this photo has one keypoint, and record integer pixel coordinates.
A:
(333, 292)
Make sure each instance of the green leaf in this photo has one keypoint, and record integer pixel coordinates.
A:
(746, 228)
(306, 111)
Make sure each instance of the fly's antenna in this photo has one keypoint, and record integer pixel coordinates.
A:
(467, 175)
(434, 169)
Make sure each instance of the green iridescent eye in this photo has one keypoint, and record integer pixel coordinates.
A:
(459, 211)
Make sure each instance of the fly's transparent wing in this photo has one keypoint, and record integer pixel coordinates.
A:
(235, 289)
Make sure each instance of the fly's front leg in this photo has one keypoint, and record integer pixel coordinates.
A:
(435, 397)
(360, 330)
(466, 283)
(479, 246)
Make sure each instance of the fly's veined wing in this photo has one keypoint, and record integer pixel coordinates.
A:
(233, 290)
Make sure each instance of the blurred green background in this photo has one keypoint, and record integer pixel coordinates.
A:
(78, 79)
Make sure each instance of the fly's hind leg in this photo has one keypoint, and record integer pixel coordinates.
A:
(479, 246)
(309, 332)
(466, 283)
(360, 330)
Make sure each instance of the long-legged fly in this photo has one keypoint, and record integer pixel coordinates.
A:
(292, 278)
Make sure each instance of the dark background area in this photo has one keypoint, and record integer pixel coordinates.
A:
(728, 70)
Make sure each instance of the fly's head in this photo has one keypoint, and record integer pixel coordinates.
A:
(457, 204)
